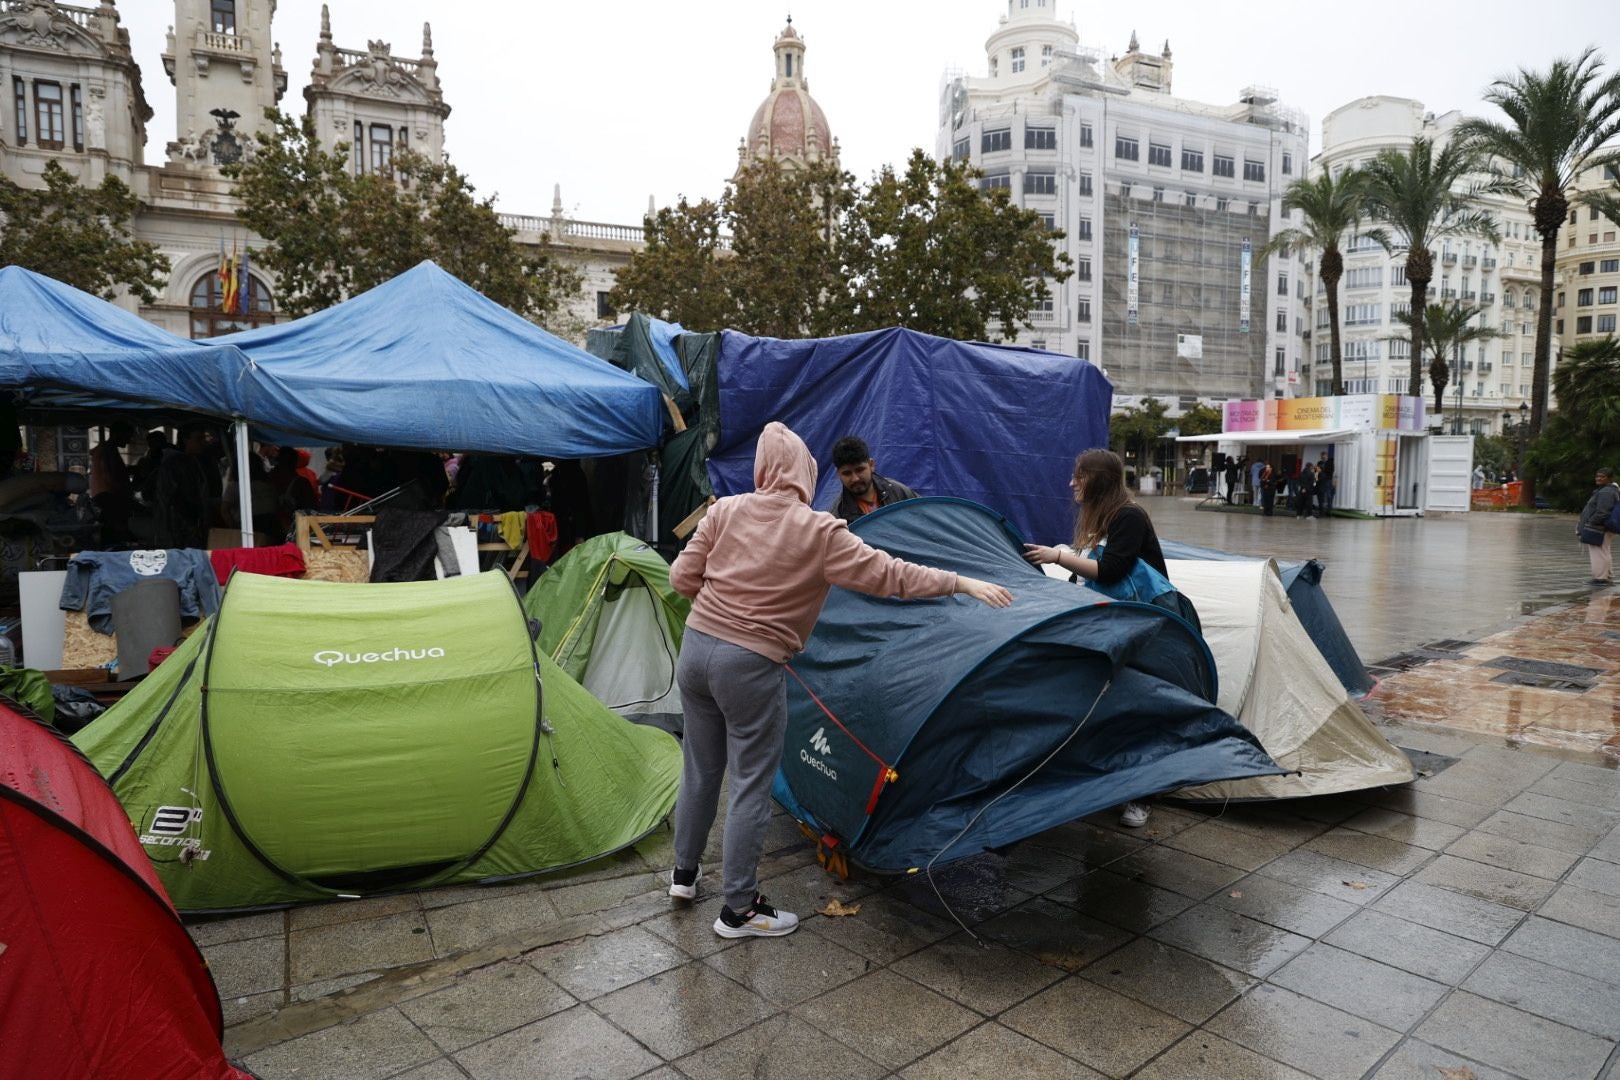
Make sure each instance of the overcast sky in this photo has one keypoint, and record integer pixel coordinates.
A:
(617, 100)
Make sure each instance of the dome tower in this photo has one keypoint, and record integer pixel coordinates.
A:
(788, 125)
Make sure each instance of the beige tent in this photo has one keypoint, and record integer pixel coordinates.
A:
(1277, 683)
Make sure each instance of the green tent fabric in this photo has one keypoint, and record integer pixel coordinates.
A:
(609, 618)
(317, 739)
(29, 688)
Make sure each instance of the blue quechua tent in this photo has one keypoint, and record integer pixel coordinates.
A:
(995, 424)
(427, 362)
(1303, 582)
(940, 728)
(65, 349)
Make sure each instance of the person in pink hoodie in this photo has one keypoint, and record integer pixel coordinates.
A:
(758, 570)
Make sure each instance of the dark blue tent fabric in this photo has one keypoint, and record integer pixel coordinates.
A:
(67, 349)
(962, 701)
(426, 362)
(1303, 580)
(996, 424)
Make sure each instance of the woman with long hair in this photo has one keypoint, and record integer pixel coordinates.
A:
(1116, 551)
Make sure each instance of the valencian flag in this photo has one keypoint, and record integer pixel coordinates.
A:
(234, 292)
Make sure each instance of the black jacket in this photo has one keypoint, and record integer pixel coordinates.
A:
(888, 491)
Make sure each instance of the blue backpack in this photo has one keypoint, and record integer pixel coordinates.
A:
(1145, 585)
(1612, 522)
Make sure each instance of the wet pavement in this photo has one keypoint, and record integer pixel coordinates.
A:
(1465, 925)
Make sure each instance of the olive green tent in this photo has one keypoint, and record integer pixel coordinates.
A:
(317, 740)
(609, 619)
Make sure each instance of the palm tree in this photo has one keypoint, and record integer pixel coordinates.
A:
(1331, 208)
(1414, 193)
(1447, 332)
(1561, 122)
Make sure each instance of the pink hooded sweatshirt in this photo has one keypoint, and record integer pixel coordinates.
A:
(759, 566)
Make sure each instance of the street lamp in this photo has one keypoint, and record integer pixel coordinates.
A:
(1519, 429)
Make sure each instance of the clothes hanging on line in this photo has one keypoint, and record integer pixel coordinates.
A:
(95, 577)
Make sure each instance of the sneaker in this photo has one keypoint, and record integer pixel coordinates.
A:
(683, 883)
(760, 920)
(1134, 816)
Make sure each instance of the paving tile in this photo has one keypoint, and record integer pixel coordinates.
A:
(1472, 785)
(1583, 1003)
(987, 980)
(1591, 774)
(1596, 875)
(374, 1046)
(1054, 934)
(577, 1036)
(593, 966)
(1451, 912)
(1364, 849)
(1608, 848)
(1532, 804)
(326, 987)
(244, 968)
(485, 1003)
(1605, 796)
(1283, 905)
(1434, 807)
(1583, 908)
(1410, 947)
(1417, 1060)
(1234, 847)
(1185, 986)
(1385, 995)
(808, 888)
(349, 948)
(1574, 839)
(451, 895)
(1205, 1056)
(597, 895)
(1509, 765)
(1594, 955)
(1092, 846)
(690, 929)
(976, 889)
(886, 929)
(1405, 828)
(887, 1018)
(1510, 1039)
(993, 1050)
(1506, 887)
(1133, 905)
(1515, 855)
(219, 931)
(1303, 819)
(678, 1011)
(1303, 1033)
(343, 911)
(1231, 940)
(441, 1069)
(778, 1048)
(1032, 869)
(237, 1009)
(1331, 877)
(786, 971)
(1178, 871)
(1096, 1026)
(1163, 821)
(466, 926)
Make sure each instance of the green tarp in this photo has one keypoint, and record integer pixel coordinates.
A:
(609, 619)
(317, 739)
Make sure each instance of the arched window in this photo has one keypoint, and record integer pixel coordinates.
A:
(207, 298)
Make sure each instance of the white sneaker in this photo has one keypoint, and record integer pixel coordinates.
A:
(683, 883)
(760, 920)
(1134, 816)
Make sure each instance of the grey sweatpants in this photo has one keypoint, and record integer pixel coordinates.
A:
(735, 703)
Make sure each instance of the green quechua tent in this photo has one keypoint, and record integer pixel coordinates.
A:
(317, 740)
(610, 620)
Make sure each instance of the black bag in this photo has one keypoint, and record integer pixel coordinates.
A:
(1591, 534)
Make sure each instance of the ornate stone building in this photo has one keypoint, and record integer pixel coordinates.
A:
(788, 125)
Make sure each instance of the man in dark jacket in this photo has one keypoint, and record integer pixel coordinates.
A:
(864, 490)
(1593, 516)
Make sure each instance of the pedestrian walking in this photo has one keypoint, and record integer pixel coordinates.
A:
(1305, 490)
(1268, 491)
(1593, 529)
(1324, 484)
(758, 570)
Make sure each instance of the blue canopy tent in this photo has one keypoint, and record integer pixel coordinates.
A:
(940, 728)
(1303, 581)
(996, 424)
(426, 362)
(65, 349)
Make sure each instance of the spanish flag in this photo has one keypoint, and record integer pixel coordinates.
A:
(224, 275)
(232, 283)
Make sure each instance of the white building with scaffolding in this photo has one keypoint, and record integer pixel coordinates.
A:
(1165, 205)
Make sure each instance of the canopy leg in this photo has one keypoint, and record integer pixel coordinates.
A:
(244, 483)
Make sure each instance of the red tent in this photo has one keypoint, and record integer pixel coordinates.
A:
(98, 978)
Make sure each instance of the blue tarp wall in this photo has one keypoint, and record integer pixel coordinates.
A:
(427, 362)
(996, 424)
(962, 701)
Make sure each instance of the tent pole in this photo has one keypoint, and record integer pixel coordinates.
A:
(652, 505)
(244, 483)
